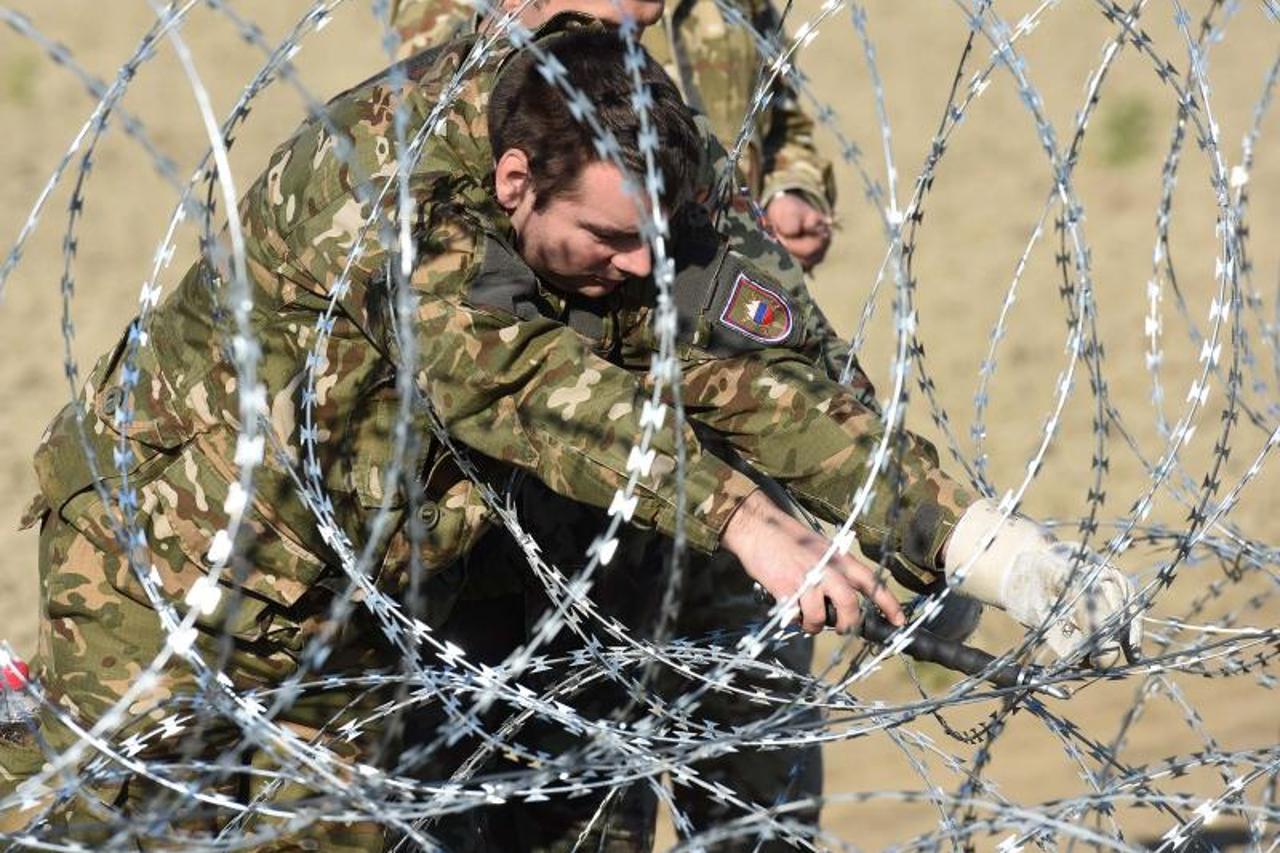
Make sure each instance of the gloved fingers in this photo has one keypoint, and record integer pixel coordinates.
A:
(1109, 599)
(1066, 639)
(1098, 603)
(1105, 654)
(1129, 633)
(1063, 638)
(1131, 636)
(1131, 641)
(1030, 587)
(1038, 579)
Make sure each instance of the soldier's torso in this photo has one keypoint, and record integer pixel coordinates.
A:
(318, 273)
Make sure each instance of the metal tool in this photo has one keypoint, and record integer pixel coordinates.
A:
(925, 645)
(928, 647)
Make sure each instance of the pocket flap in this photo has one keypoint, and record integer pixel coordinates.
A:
(181, 497)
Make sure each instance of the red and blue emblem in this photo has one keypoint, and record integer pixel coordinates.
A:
(757, 311)
(761, 312)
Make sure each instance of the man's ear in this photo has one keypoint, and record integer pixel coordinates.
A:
(512, 181)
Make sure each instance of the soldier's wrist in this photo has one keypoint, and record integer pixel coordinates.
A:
(743, 525)
(984, 547)
(714, 492)
(809, 194)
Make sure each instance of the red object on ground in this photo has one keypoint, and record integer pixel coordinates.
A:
(16, 674)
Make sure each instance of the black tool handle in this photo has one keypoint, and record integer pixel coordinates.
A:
(924, 645)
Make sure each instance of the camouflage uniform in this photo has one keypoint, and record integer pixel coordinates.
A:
(524, 377)
(716, 65)
(714, 62)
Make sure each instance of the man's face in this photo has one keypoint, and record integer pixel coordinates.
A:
(644, 12)
(585, 240)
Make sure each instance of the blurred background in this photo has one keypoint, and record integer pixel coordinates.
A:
(989, 192)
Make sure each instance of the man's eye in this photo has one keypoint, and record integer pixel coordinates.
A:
(615, 241)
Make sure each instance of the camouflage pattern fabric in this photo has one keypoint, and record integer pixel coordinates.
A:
(96, 634)
(569, 423)
(421, 24)
(716, 65)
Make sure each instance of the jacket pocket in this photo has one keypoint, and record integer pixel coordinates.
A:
(178, 497)
(448, 514)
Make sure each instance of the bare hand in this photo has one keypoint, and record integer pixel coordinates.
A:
(777, 552)
(801, 228)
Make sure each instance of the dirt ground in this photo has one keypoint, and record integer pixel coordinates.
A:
(990, 189)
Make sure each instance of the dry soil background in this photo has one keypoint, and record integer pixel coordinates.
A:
(989, 192)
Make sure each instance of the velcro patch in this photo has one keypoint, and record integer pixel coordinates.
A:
(757, 311)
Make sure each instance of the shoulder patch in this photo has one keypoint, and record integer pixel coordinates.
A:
(756, 311)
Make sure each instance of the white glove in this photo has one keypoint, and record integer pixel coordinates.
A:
(1025, 570)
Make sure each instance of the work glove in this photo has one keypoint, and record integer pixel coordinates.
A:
(1024, 571)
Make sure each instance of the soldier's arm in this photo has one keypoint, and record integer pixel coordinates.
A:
(791, 159)
(791, 423)
(746, 236)
(526, 389)
(530, 393)
(738, 224)
(760, 372)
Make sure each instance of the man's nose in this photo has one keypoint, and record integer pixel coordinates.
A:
(635, 263)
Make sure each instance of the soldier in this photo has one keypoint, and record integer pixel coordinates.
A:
(531, 324)
(716, 64)
(98, 627)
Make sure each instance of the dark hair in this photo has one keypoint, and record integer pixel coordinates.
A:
(528, 113)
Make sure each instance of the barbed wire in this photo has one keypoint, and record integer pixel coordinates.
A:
(1222, 635)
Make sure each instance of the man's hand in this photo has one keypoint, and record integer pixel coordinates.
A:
(801, 228)
(1038, 578)
(777, 552)
(1024, 571)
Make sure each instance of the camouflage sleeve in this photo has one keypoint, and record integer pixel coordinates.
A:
(791, 423)
(779, 405)
(529, 392)
(425, 23)
(748, 238)
(740, 224)
(791, 159)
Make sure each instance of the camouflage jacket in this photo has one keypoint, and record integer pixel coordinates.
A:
(521, 376)
(716, 65)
